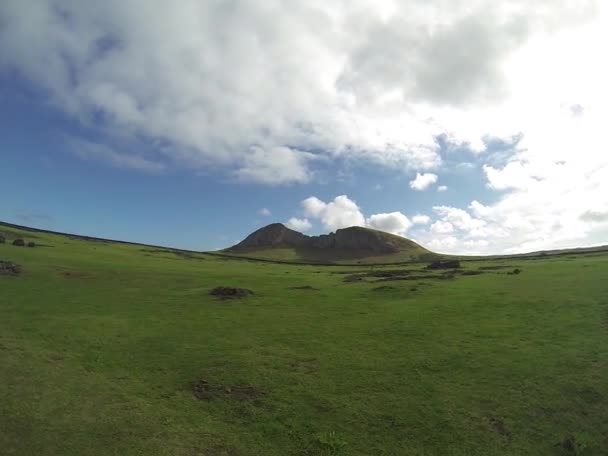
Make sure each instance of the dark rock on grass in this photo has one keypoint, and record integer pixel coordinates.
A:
(447, 264)
(31, 244)
(304, 287)
(8, 268)
(352, 278)
(203, 390)
(515, 271)
(230, 292)
(2, 239)
(19, 242)
(384, 288)
(471, 273)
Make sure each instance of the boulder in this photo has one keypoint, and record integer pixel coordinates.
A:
(19, 242)
(31, 244)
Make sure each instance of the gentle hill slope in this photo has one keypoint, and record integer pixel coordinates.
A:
(348, 245)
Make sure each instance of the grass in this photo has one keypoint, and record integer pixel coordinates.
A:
(100, 343)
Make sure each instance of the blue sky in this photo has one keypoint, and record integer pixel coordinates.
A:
(179, 127)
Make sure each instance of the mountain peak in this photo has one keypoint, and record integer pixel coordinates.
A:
(354, 239)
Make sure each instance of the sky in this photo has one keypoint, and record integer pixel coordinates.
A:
(471, 127)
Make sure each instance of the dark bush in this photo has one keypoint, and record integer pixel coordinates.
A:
(31, 244)
(447, 264)
(19, 242)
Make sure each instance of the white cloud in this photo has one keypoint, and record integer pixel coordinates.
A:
(265, 212)
(394, 222)
(242, 87)
(423, 181)
(442, 188)
(297, 224)
(277, 165)
(421, 219)
(342, 212)
(442, 227)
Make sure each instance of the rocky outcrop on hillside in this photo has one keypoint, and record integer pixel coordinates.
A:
(353, 238)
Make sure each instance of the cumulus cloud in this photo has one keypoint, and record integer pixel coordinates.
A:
(423, 181)
(246, 87)
(421, 219)
(394, 222)
(342, 212)
(277, 165)
(297, 224)
(442, 227)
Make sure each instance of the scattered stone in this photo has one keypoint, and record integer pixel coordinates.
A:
(31, 244)
(304, 287)
(515, 271)
(352, 278)
(203, 390)
(384, 288)
(230, 292)
(8, 268)
(19, 242)
(471, 273)
(447, 264)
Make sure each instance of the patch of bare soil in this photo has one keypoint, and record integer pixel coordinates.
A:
(8, 268)
(230, 292)
(204, 390)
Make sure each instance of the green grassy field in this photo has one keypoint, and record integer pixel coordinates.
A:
(100, 344)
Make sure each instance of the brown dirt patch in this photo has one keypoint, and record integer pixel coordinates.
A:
(204, 390)
(230, 292)
(8, 268)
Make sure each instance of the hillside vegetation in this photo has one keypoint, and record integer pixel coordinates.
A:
(118, 349)
(354, 245)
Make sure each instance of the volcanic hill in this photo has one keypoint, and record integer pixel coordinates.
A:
(355, 244)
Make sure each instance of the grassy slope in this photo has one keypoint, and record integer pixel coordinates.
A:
(99, 361)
